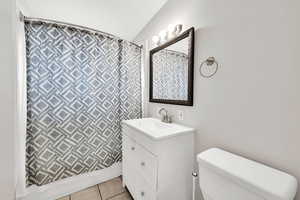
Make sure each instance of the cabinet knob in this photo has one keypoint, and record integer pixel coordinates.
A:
(132, 148)
(142, 194)
(143, 163)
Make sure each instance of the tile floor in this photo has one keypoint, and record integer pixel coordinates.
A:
(109, 190)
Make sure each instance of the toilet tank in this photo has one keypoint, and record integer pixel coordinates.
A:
(226, 176)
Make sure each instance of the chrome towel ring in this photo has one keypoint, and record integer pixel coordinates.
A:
(209, 67)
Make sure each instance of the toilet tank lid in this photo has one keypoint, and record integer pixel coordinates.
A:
(268, 182)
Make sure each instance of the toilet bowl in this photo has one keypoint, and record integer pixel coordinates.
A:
(226, 176)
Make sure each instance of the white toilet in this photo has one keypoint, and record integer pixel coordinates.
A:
(225, 176)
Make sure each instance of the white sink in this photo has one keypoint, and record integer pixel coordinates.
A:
(156, 129)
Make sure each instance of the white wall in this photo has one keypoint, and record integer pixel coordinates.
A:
(21, 118)
(252, 105)
(122, 18)
(7, 99)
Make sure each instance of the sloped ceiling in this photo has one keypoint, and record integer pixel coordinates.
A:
(123, 18)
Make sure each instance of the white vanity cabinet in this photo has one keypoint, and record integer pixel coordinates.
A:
(157, 159)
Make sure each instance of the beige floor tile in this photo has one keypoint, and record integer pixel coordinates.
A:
(64, 198)
(123, 196)
(111, 188)
(91, 193)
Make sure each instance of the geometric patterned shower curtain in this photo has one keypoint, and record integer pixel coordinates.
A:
(79, 88)
(170, 75)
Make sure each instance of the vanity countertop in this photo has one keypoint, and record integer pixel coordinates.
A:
(156, 129)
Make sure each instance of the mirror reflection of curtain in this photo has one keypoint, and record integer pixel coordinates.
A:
(79, 88)
(170, 75)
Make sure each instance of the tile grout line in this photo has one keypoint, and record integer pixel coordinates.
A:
(98, 186)
(69, 197)
(115, 195)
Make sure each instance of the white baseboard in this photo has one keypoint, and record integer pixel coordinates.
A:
(70, 185)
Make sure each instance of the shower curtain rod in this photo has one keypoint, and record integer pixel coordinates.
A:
(32, 19)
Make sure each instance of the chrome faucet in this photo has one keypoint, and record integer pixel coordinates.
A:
(165, 117)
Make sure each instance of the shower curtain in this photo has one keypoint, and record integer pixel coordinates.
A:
(170, 75)
(79, 87)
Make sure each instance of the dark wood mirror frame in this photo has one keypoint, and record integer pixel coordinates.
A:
(189, 102)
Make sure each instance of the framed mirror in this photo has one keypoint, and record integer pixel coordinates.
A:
(172, 71)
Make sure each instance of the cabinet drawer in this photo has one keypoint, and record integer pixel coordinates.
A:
(128, 164)
(139, 159)
(147, 165)
(140, 138)
(143, 190)
(129, 149)
(130, 177)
